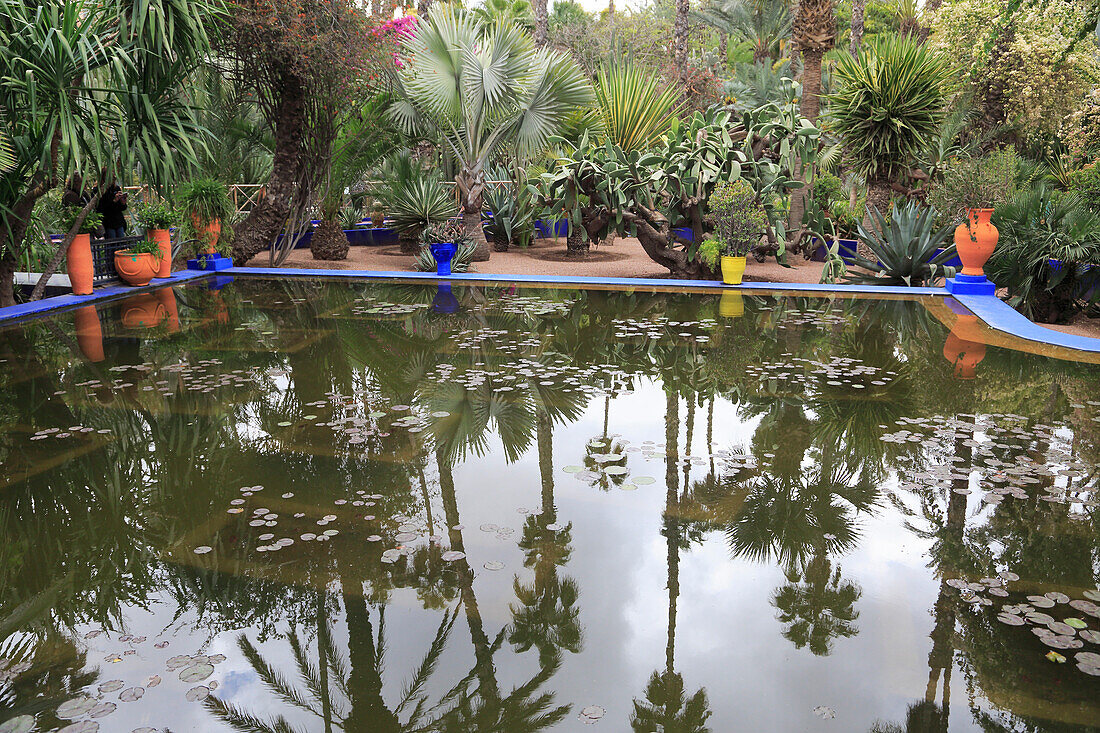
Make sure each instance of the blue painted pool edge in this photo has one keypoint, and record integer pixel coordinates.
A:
(1000, 316)
(990, 309)
(60, 302)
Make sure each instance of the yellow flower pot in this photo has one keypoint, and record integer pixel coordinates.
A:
(733, 268)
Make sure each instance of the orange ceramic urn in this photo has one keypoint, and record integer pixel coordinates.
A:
(975, 240)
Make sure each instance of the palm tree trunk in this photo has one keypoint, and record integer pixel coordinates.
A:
(576, 245)
(810, 107)
(544, 436)
(322, 661)
(471, 223)
(672, 526)
(723, 48)
(268, 217)
(541, 23)
(680, 38)
(857, 26)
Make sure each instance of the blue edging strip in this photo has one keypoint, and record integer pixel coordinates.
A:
(36, 307)
(627, 282)
(1000, 316)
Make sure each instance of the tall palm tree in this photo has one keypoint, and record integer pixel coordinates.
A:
(814, 32)
(766, 24)
(483, 91)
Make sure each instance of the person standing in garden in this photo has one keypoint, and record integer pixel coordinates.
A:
(112, 204)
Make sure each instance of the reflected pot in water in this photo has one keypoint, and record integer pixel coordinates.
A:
(142, 311)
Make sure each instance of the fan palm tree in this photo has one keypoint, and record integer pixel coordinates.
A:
(506, 11)
(483, 91)
(766, 24)
(817, 606)
(814, 34)
(889, 103)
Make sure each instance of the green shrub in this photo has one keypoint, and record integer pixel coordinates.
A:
(974, 183)
(157, 215)
(710, 251)
(68, 218)
(846, 218)
(145, 246)
(828, 189)
(1085, 182)
(739, 219)
(205, 199)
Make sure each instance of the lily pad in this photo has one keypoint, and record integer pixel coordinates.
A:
(18, 724)
(197, 672)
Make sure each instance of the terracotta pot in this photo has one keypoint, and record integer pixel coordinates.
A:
(963, 347)
(163, 238)
(733, 269)
(210, 232)
(975, 240)
(142, 311)
(89, 334)
(78, 263)
(167, 298)
(136, 268)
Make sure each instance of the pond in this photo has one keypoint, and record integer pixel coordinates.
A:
(306, 505)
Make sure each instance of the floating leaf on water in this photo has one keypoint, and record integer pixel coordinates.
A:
(1075, 623)
(102, 709)
(84, 726)
(285, 424)
(76, 707)
(152, 681)
(824, 712)
(494, 565)
(593, 712)
(453, 555)
(1093, 637)
(18, 724)
(1055, 657)
(93, 634)
(1010, 619)
(203, 549)
(1093, 595)
(197, 694)
(131, 694)
(1041, 601)
(1061, 629)
(644, 480)
(573, 469)
(1057, 597)
(196, 672)
(489, 528)
(405, 537)
(111, 686)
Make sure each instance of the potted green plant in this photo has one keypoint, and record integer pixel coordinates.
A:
(969, 189)
(445, 249)
(739, 222)
(139, 263)
(78, 260)
(206, 207)
(158, 218)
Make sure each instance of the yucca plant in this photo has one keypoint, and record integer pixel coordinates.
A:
(905, 247)
(480, 90)
(887, 106)
(634, 109)
(1048, 255)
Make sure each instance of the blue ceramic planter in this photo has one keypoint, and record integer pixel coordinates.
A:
(547, 229)
(443, 252)
(685, 233)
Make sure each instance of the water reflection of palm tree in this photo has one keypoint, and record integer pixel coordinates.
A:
(547, 617)
(665, 706)
(817, 605)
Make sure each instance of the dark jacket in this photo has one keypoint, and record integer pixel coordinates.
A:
(110, 209)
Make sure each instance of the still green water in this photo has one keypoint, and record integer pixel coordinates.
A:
(322, 506)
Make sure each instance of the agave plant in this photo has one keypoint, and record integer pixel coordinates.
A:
(483, 90)
(905, 247)
(510, 215)
(888, 105)
(415, 199)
